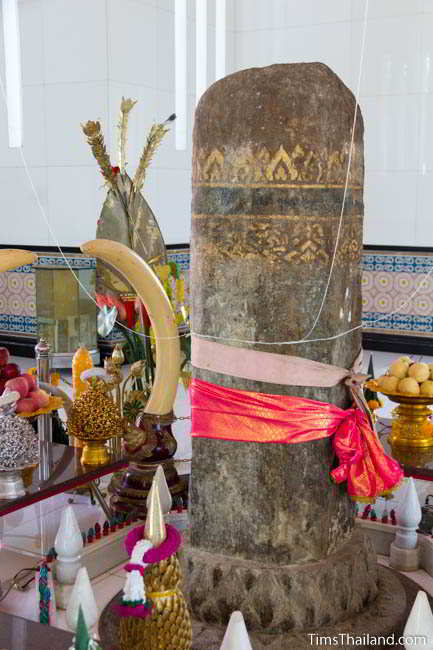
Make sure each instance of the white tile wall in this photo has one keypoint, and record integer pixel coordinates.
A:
(132, 42)
(74, 221)
(79, 58)
(67, 107)
(396, 94)
(75, 40)
(20, 216)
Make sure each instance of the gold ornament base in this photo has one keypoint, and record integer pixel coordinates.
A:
(411, 426)
(95, 452)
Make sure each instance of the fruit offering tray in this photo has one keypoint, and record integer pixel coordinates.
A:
(405, 377)
(396, 396)
(54, 404)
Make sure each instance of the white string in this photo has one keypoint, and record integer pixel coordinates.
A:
(352, 138)
(326, 338)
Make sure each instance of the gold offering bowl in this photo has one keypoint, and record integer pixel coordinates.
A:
(411, 424)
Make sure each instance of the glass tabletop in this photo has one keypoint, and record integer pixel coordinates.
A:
(18, 633)
(59, 470)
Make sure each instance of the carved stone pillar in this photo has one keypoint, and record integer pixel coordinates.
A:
(270, 535)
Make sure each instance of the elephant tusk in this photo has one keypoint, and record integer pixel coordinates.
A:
(150, 291)
(11, 258)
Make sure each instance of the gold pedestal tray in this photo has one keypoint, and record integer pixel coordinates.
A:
(411, 424)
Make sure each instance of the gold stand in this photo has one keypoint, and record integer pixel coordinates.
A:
(95, 452)
(411, 424)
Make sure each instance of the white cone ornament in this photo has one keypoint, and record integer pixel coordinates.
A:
(408, 517)
(160, 483)
(236, 636)
(419, 624)
(82, 594)
(68, 546)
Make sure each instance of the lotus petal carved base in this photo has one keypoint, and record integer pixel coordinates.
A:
(275, 598)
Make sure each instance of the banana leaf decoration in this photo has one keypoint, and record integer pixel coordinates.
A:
(126, 216)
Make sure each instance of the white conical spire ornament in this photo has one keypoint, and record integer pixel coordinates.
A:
(154, 528)
(82, 594)
(236, 636)
(419, 624)
(408, 517)
(160, 482)
(68, 546)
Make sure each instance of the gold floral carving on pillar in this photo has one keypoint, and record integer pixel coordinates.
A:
(306, 242)
(298, 166)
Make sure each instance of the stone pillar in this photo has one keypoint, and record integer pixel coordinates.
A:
(270, 535)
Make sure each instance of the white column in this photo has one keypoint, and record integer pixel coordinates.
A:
(180, 34)
(200, 48)
(14, 94)
(220, 39)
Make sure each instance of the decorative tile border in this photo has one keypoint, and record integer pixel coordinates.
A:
(388, 280)
(18, 324)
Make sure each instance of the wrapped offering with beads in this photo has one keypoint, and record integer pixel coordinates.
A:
(153, 612)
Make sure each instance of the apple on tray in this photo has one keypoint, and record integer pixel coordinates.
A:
(26, 405)
(4, 356)
(9, 371)
(19, 384)
(31, 381)
(35, 400)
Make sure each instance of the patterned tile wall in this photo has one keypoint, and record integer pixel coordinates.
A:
(398, 283)
(389, 279)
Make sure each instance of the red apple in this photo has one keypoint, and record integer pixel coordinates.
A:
(19, 384)
(40, 398)
(4, 356)
(26, 405)
(10, 371)
(31, 381)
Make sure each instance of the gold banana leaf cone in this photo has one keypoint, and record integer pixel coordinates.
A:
(132, 223)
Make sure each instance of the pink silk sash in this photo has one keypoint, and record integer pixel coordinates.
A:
(244, 416)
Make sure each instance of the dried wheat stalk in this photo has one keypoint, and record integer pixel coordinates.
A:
(156, 134)
(95, 138)
(126, 106)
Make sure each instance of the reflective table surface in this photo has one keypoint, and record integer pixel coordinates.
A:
(20, 634)
(59, 470)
